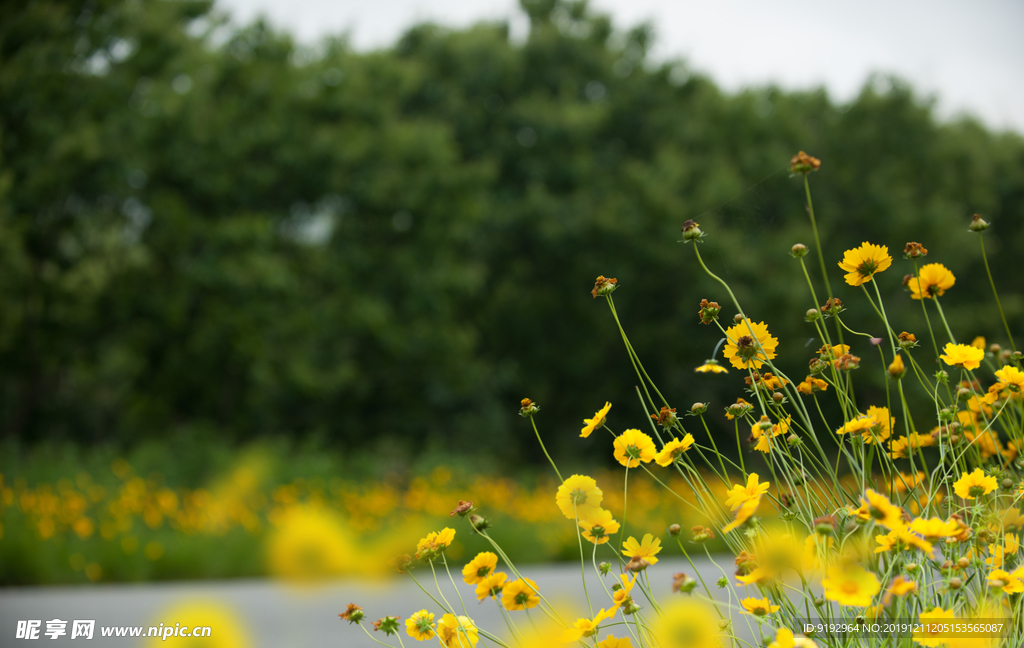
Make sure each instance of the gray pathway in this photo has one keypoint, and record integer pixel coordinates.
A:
(276, 615)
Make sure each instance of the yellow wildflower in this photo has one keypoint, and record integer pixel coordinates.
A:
(711, 366)
(585, 627)
(420, 626)
(1011, 377)
(758, 607)
(974, 484)
(934, 528)
(491, 586)
(851, 585)
(933, 280)
(598, 526)
(520, 594)
(962, 355)
(457, 632)
(811, 385)
(745, 350)
(591, 424)
(646, 550)
(578, 497)
(882, 510)
(738, 495)
(931, 629)
(744, 513)
(633, 447)
(785, 639)
(478, 569)
(673, 450)
(611, 642)
(863, 262)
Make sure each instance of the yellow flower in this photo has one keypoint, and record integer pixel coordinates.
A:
(896, 368)
(979, 343)
(578, 497)
(611, 642)
(901, 539)
(744, 350)
(811, 385)
(738, 495)
(863, 262)
(310, 543)
(622, 595)
(420, 626)
(833, 352)
(1011, 377)
(758, 607)
(974, 484)
(673, 450)
(632, 447)
(860, 424)
(711, 366)
(882, 429)
(598, 526)
(686, 623)
(962, 355)
(901, 448)
(899, 587)
(479, 568)
(1011, 583)
(520, 594)
(457, 632)
(228, 629)
(434, 543)
(785, 639)
(591, 424)
(850, 586)
(934, 528)
(933, 280)
(744, 513)
(585, 627)
(491, 586)
(933, 620)
(882, 510)
(645, 550)
(764, 432)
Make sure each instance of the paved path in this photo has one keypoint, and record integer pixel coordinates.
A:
(276, 615)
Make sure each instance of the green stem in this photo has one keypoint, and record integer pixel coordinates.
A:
(992, 283)
(545, 449)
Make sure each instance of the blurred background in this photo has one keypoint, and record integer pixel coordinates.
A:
(274, 277)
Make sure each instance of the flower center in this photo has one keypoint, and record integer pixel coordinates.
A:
(745, 346)
(850, 587)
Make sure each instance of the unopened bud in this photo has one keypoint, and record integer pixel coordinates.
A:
(528, 408)
(812, 315)
(978, 224)
(1007, 484)
(738, 317)
(912, 568)
(955, 583)
(963, 563)
(692, 231)
(723, 582)
(798, 250)
(994, 349)
(1016, 356)
(604, 568)
(698, 408)
(479, 522)
(674, 530)
(778, 398)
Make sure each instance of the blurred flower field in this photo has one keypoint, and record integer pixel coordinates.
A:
(115, 523)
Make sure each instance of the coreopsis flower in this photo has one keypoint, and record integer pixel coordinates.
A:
(599, 526)
(850, 585)
(621, 597)
(765, 381)
(975, 484)
(930, 632)
(834, 351)
(743, 514)
(811, 385)
(744, 350)
(646, 550)
(785, 639)
(673, 450)
(833, 306)
(520, 594)
(457, 632)
(914, 251)
(803, 163)
(480, 567)
(741, 494)
(934, 528)
(1012, 378)
(847, 362)
(979, 343)
(896, 368)
(692, 231)
(611, 642)
(711, 366)
(764, 432)
(353, 613)
(491, 585)
(978, 224)
(864, 262)
(528, 408)
(633, 447)
(860, 425)
(585, 627)
(420, 626)
(686, 623)
(604, 286)
(882, 510)
(434, 543)
(902, 447)
(708, 311)
(1009, 582)
(933, 280)
(578, 497)
(962, 355)
(882, 429)
(758, 607)
(899, 587)
(591, 424)
(901, 539)
(907, 340)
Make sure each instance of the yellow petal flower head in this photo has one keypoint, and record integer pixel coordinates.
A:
(901, 539)
(764, 432)
(811, 385)
(785, 639)
(933, 280)
(457, 632)
(932, 622)
(744, 513)
(745, 350)
(621, 595)
(585, 627)
(899, 587)
(434, 543)
(578, 497)
(882, 510)
(491, 586)
(591, 424)
(611, 642)
(711, 366)
(962, 355)
(934, 528)
(903, 446)
(520, 594)
(859, 425)
(864, 262)
(479, 568)
(975, 484)
(633, 447)
(686, 623)
(758, 607)
(1011, 583)
(850, 585)
(599, 526)
(1011, 377)
(738, 495)
(673, 450)
(646, 550)
(420, 626)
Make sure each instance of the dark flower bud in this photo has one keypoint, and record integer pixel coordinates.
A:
(692, 231)
(978, 224)
(803, 163)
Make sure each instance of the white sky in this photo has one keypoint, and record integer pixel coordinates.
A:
(969, 54)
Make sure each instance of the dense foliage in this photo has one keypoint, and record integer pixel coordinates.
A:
(206, 231)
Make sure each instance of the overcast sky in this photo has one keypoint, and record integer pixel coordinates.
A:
(969, 54)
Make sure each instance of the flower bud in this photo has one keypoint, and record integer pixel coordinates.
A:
(942, 376)
(462, 509)
(353, 614)
(907, 340)
(978, 224)
(723, 582)
(674, 529)
(778, 398)
(479, 522)
(798, 250)
(604, 286)
(897, 368)
(723, 624)
(793, 440)
(1016, 356)
(825, 526)
(528, 408)
(738, 317)
(963, 394)
(963, 563)
(912, 568)
(702, 534)
(698, 408)
(1007, 484)
(708, 311)
(604, 568)
(683, 583)
(955, 583)
(994, 349)
(812, 315)
(816, 366)
(914, 251)
(818, 602)
(692, 231)
(803, 163)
